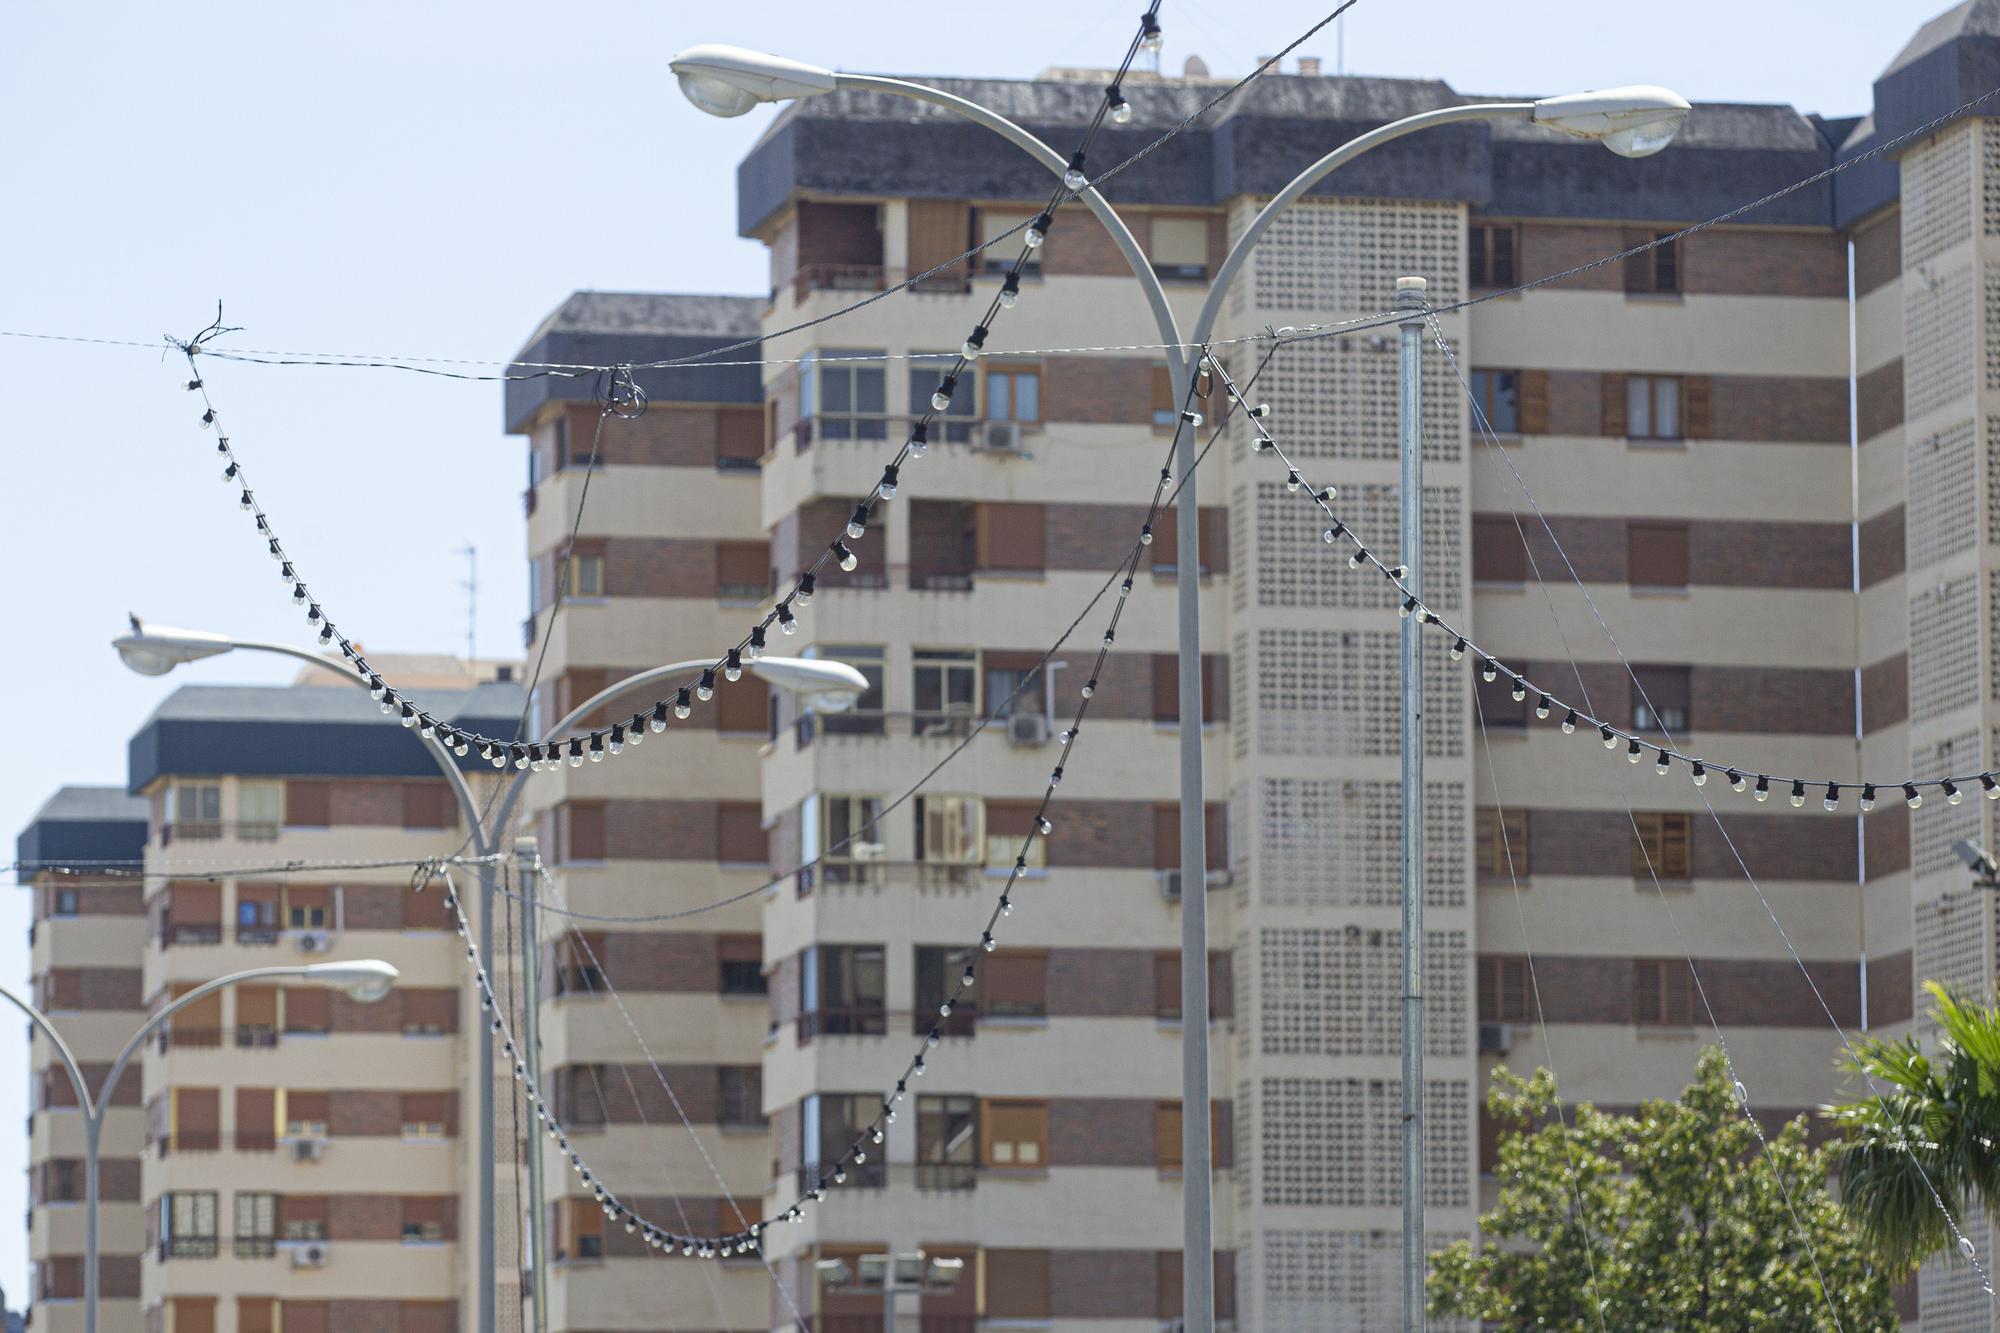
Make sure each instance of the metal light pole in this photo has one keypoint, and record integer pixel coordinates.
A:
(528, 874)
(1410, 404)
(366, 980)
(1633, 122)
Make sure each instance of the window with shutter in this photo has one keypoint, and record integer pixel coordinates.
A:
(1167, 1154)
(1491, 256)
(427, 1218)
(305, 1114)
(949, 831)
(424, 1115)
(741, 962)
(308, 804)
(1009, 537)
(307, 1010)
(1496, 705)
(742, 571)
(1496, 395)
(940, 230)
(1656, 554)
(1015, 1134)
(581, 828)
(429, 1011)
(1008, 824)
(1178, 248)
(1504, 993)
(256, 1119)
(1017, 1284)
(1652, 407)
(1662, 992)
(1167, 986)
(999, 254)
(1612, 397)
(743, 707)
(739, 833)
(739, 439)
(1014, 983)
(1660, 699)
(1662, 846)
(1533, 403)
(1697, 407)
(1501, 842)
(428, 805)
(1498, 553)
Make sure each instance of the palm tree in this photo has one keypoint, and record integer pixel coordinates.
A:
(1940, 1113)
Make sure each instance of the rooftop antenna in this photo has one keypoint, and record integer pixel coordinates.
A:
(1340, 46)
(470, 583)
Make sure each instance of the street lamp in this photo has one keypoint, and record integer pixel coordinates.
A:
(828, 686)
(1631, 121)
(367, 980)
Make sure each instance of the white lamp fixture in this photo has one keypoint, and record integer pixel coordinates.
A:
(827, 686)
(730, 80)
(366, 980)
(1632, 122)
(157, 649)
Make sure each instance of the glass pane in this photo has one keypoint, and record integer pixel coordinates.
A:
(1504, 413)
(836, 387)
(869, 392)
(1638, 407)
(999, 393)
(1667, 408)
(962, 688)
(929, 692)
(808, 373)
(1028, 397)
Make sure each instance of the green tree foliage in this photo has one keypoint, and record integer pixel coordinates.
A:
(1674, 1219)
(1940, 1114)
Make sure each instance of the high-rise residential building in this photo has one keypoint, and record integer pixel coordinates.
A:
(80, 858)
(1683, 420)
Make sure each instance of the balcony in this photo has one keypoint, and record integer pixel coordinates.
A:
(882, 874)
(215, 830)
(810, 278)
(948, 726)
(189, 1247)
(859, 1022)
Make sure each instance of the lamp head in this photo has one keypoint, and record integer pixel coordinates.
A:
(828, 687)
(1632, 122)
(366, 980)
(1975, 858)
(157, 649)
(730, 80)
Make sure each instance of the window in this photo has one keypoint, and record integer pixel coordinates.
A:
(1504, 992)
(586, 577)
(740, 959)
(1497, 395)
(1014, 1135)
(939, 970)
(998, 256)
(1501, 843)
(428, 805)
(534, 473)
(843, 399)
(1490, 261)
(742, 571)
(578, 969)
(260, 808)
(1667, 689)
(843, 990)
(1653, 407)
(1017, 1285)
(307, 1011)
(66, 903)
(1656, 555)
(305, 1114)
(579, 1230)
(946, 681)
(1654, 271)
(865, 718)
(1663, 846)
(947, 1142)
(1167, 986)
(561, 442)
(1008, 826)
(830, 1124)
(1499, 555)
(194, 811)
(1167, 688)
(424, 1115)
(1496, 704)
(1167, 402)
(845, 833)
(1013, 395)
(256, 1225)
(954, 424)
(187, 1224)
(65, 1180)
(580, 832)
(580, 1092)
(1013, 983)
(1662, 992)
(1167, 1154)
(1178, 248)
(741, 1096)
(306, 907)
(949, 830)
(425, 1219)
(256, 1016)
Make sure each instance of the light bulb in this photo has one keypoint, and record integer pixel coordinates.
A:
(808, 584)
(1867, 798)
(856, 527)
(1354, 561)
(1633, 753)
(1762, 792)
(1329, 536)
(683, 705)
(596, 749)
(732, 665)
(974, 343)
(887, 486)
(787, 622)
(376, 688)
(1699, 774)
(1542, 707)
(1457, 649)
(1146, 535)
(920, 440)
(1121, 110)
(1038, 231)
(1043, 826)
(706, 689)
(845, 557)
(1151, 38)
(1074, 179)
(1292, 480)
(1952, 795)
(1569, 722)
(1663, 763)
(576, 754)
(1990, 786)
(1832, 798)
(1912, 796)
(941, 400)
(658, 722)
(1010, 291)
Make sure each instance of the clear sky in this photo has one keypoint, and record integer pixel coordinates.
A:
(433, 179)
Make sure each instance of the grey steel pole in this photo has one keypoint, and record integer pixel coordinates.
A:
(527, 861)
(488, 1200)
(93, 1123)
(1197, 1175)
(889, 1298)
(1410, 301)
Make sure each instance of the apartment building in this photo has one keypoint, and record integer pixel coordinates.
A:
(80, 858)
(671, 560)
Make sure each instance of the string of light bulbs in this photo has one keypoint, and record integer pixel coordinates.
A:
(1549, 702)
(829, 1175)
(623, 397)
(1494, 450)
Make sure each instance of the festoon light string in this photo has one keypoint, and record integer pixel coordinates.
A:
(1548, 701)
(623, 398)
(829, 1175)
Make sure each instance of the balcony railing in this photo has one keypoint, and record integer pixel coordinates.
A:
(926, 726)
(882, 874)
(189, 1247)
(856, 1022)
(214, 830)
(809, 278)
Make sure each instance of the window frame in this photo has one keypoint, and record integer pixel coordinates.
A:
(1491, 247)
(1663, 846)
(1004, 1154)
(1647, 392)
(1484, 382)
(1004, 389)
(1493, 854)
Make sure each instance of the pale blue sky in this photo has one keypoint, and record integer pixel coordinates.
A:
(432, 179)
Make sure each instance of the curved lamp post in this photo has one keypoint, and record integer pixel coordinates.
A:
(1632, 122)
(155, 650)
(367, 980)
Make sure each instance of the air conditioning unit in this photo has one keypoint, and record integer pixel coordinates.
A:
(1027, 729)
(312, 1254)
(1496, 1038)
(1170, 885)
(313, 941)
(307, 1150)
(1000, 437)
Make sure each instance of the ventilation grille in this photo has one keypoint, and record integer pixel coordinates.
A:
(1944, 498)
(1937, 197)
(1339, 1281)
(1937, 824)
(1338, 397)
(1297, 567)
(1989, 177)
(1950, 948)
(1950, 1296)
(1944, 648)
(1940, 340)
(1339, 991)
(1344, 255)
(1337, 1142)
(1321, 692)
(1332, 842)
(1240, 519)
